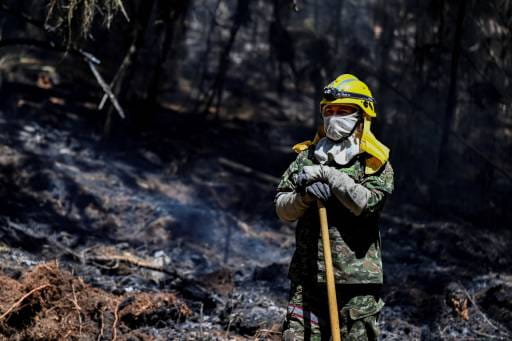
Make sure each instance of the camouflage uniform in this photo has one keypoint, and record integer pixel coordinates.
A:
(356, 250)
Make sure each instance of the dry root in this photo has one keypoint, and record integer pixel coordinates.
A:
(48, 303)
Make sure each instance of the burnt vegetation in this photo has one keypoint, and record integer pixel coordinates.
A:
(141, 142)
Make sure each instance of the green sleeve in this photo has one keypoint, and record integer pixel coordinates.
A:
(380, 185)
(287, 183)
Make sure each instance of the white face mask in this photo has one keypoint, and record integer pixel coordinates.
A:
(338, 127)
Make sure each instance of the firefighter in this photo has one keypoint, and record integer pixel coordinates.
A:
(348, 169)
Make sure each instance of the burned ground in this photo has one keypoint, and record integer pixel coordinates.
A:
(173, 236)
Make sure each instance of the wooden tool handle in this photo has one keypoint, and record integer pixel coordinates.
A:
(329, 273)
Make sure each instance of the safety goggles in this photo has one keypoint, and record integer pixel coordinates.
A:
(331, 94)
(338, 110)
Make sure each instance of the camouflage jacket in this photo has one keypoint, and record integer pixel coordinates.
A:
(355, 240)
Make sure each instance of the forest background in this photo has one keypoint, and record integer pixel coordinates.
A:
(240, 81)
(439, 69)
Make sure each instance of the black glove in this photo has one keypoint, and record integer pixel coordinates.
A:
(301, 182)
(319, 190)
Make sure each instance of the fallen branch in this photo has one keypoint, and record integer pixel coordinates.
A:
(116, 320)
(119, 73)
(100, 336)
(78, 309)
(105, 267)
(130, 259)
(92, 62)
(229, 326)
(248, 170)
(488, 335)
(22, 299)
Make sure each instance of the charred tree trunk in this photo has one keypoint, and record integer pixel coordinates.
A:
(173, 19)
(282, 47)
(125, 85)
(451, 101)
(385, 40)
(160, 24)
(205, 59)
(316, 15)
(337, 22)
(241, 17)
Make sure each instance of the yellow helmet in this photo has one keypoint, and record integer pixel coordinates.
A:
(348, 89)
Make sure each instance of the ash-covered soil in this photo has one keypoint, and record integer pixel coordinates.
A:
(172, 236)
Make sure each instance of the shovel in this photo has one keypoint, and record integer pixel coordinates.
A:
(329, 273)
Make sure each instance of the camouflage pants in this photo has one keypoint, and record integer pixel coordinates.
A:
(308, 313)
